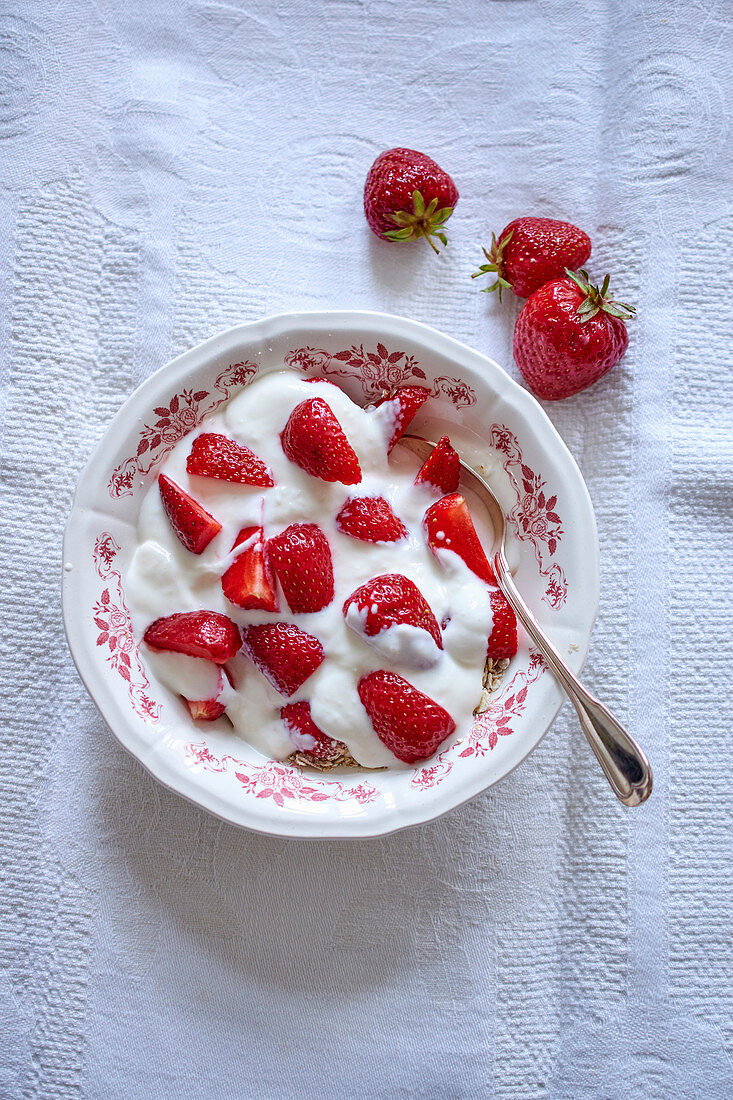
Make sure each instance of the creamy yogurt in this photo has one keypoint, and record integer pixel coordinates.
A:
(163, 577)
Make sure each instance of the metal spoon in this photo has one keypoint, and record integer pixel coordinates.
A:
(624, 763)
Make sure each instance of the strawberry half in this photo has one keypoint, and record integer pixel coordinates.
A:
(503, 637)
(442, 468)
(194, 526)
(370, 519)
(314, 440)
(299, 723)
(399, 409)
(410, 724)
(391, 599)
(214, 455)
(449, 526)
(206, 634)
(301, 557)
(283, 653)
(249, 581)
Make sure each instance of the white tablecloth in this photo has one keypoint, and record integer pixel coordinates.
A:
(171, 168)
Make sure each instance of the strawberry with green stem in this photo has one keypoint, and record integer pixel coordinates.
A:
(408, 196)
(568, 334)
(530, 252)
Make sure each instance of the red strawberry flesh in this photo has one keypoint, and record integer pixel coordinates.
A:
(401, 408)
(370, 519)
(449, 526)
(217, 456)
(301, 557)
(284, 653)
(442, 468)
(205, 710)
(409, 723)
(503, 638)
(193, 525)
(314, 440)
(391, 599)
(206, 634)
(249, 581)
(299, 724)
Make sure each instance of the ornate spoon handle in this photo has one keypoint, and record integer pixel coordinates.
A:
(624, 763)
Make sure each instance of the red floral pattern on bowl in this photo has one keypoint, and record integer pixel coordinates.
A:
(230, 782)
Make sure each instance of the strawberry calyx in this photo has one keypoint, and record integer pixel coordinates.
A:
(495, 265)
(595, 299)
(423, 221)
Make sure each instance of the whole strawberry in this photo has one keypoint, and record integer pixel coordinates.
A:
(531, 252)
(407, 196)
(568, 335)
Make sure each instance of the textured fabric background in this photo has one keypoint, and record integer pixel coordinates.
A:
(171, 168)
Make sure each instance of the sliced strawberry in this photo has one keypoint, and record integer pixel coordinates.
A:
(449, 526)
(214, 455)
(194, 526)
(299, 723)
(208, 710)
(249, 581)
(301, 558)
(399, 409)
(503, 637)
(370, 519)
(410, 724)
(314, 440)
(328, 381)
(442, 468)
(283, 653)
(391, 599)
(205, 634)
(205, 710)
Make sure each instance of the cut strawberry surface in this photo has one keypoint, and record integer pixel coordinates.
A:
(299, 723)
(208, 710)
(193, 525)
(449, 526)
(370, 519)
(314, 440)
(205, 710)
(301, 557)
(206, 634)
(400, 408)
(249, 581)
(409, 723)
(442, 468)
(503, 637)
(214, 455)
(283, 653)
(391, 599)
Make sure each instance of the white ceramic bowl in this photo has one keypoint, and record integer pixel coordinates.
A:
(551, 516)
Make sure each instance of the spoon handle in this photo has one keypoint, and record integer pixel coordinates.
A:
(624, 763)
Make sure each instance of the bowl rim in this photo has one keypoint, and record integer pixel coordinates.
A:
(387, 326)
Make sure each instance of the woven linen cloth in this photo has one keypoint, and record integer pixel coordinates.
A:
(172, 168)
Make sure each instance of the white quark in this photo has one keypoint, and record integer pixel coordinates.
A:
(413, 646)
(164, 577)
